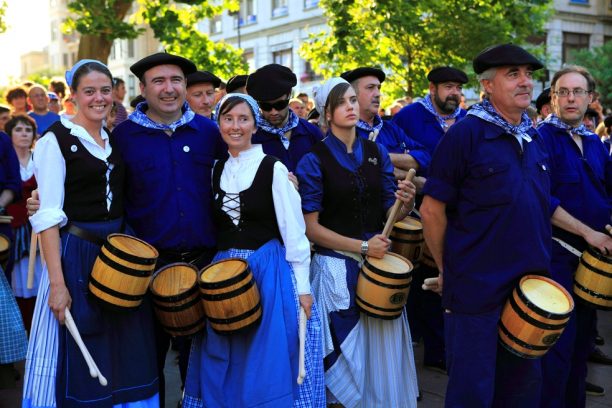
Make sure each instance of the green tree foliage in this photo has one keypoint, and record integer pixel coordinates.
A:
(3, 26)
(174, 24)
(409, 37)
(599, 62)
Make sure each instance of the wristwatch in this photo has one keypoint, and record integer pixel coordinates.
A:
(364, 247)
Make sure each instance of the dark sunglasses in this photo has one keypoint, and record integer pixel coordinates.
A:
(278, 105)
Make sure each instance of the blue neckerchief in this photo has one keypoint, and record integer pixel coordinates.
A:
(292, 122)
(428, 104)
(378, 124)
(140, 118)
(558, 123)
(485, 111)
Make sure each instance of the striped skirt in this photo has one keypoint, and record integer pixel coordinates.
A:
(369, 362)
(13, 340)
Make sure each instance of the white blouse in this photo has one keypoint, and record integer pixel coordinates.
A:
(27, 172)
(238, 175)
(50, 171)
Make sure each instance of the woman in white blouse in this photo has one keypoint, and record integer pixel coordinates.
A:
(80, 182)
(258, 217)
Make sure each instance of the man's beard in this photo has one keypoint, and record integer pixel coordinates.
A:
(448, 106)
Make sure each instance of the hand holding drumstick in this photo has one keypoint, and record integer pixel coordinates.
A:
(302, 336)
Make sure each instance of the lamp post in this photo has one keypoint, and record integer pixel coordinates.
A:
(237, 15)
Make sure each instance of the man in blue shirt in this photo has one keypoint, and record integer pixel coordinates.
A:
(39, 100)
(487, 223)
(201, 87)
(281, 133)
(404, 152)
(10, 190)
(169, 152)
(581, 189)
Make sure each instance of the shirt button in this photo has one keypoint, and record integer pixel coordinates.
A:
(186, 149)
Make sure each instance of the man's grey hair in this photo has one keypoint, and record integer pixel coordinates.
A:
(488, 75)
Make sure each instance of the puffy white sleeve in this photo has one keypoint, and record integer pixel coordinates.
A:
(288, 208)
(50, 171)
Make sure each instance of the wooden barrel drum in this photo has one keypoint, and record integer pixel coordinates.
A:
(176, 299)
(122, 272)
(593, 279)
(5, 247)
(407, 238)
(383, 285)
(230, 296)
(534, 316)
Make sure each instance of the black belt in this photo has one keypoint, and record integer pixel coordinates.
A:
(84, 234)
(188, 256)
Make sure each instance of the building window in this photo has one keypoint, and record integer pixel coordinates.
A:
(54, 33)
(283, 57)
(215, 25)
(131, 86)
(279, 8)
(308, 4)
(573, 42)
(112, 51)
(249, 58)
(247, 14)
(581, 2)
(130, 48)
(65, 59)
(309, 74)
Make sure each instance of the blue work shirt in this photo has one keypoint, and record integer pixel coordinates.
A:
(44, 121)
(310, 174)
(302, 138)
(581, 182)
(395, 141)
(168, 194)
(10, 178)
(421, 125)
(497, 198)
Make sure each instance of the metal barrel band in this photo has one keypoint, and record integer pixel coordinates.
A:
(175, 298)
(386, 274)
(112, 292)
(521, 342)
(122, 268)
(539, 310)
(175, 308)
(385, 285)
(517, 309)
(382, 309)
(592, 293)
(593, 269)
(187, 327)
(127, 256)
(228, 295)
(225, 283)
(235, 319)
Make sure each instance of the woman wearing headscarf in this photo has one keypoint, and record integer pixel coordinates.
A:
(80, 183)
(258, 218)
(347, 188)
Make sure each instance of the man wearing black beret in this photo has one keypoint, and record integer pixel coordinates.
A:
(404, 152)
(427, 120)
(489, 174)
(168, 152)
(236, 84)
(281, 132)
(201, 87)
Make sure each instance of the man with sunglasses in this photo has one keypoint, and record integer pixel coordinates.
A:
(281, 132)
(581, 189)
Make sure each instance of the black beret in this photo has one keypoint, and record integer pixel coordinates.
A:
(543, 99)
(313, 114)
(235, 82)
(162, 58)
(357, 73)
(503, 55)
(447, 74)
(270, 82)
(203, 77)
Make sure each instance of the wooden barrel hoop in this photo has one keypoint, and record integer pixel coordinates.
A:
(407, 238)
(593, 279)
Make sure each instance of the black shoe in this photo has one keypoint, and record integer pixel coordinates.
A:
(439, 366)
(599, 340)
(596, 390)
(420, 396)
(598, 356)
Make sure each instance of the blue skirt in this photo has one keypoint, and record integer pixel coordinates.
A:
(121, 343)
(259, 368)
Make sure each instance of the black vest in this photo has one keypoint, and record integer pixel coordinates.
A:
(85, 184)
(257, 223)
(345, 210)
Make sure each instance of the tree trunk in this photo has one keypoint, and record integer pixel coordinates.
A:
(95, 47)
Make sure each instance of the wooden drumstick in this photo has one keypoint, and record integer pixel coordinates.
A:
(396, 207)
(32, 259)
(94, 371)
(5, 219)
(302, 333)
(609, 228)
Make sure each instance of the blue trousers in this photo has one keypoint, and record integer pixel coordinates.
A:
(481, 372)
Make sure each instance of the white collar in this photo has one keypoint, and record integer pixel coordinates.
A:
(80, 132)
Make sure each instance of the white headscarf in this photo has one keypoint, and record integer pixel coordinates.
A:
(321, 93)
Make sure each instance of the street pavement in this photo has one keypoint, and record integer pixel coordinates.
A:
(431, 383)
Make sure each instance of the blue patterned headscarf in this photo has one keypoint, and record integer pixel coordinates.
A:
(70, 74)
(248, 99)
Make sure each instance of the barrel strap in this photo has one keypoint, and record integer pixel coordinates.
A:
(567, 246)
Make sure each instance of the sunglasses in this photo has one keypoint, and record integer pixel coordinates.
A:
(278, 105)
